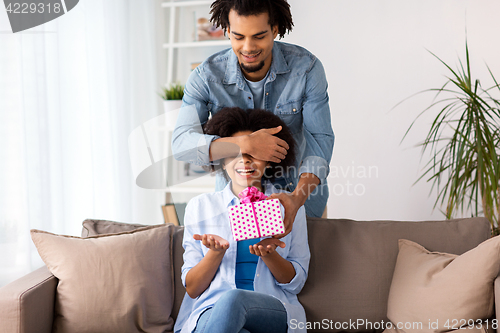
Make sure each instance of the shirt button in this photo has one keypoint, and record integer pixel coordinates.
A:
(267, 94)
(249, 97)
(258, 274)
(294, 110)
(290, 184)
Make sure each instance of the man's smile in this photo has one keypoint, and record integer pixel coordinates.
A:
(250, 57)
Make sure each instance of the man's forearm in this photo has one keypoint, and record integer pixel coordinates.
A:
(225, 147)
(307, 183)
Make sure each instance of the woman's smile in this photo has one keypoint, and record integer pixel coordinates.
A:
(245, 172)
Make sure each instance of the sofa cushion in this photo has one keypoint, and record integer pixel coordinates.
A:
(445, 289)
(111, 283)
(479, 327)
(93, 227)
(352, 263)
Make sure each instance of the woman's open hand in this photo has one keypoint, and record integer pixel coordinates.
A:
(266, 247)
(212, 242)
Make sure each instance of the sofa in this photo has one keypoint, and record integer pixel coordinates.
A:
(351, 268)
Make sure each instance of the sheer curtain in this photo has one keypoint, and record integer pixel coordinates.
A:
(71, 91)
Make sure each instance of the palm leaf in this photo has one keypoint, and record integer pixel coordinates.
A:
(464, 165)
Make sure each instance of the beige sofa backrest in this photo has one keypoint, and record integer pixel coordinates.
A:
(352, 262)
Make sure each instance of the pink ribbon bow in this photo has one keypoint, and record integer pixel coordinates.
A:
(251, 194)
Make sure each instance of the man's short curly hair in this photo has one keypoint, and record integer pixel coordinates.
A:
(229, 121)
(278, 10)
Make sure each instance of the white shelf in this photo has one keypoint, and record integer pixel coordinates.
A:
(186, 3)
(198, 44)
(180, 18)
(181, 22)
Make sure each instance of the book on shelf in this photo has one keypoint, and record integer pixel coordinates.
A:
(194, 65)
(174, 213)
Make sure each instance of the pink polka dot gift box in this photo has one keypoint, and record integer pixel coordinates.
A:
(256, 219)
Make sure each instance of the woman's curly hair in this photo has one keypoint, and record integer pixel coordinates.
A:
(278, 10)
(229, 121)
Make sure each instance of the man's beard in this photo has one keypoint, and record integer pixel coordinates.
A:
(254, 68)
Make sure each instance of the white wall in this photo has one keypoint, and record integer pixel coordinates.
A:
(374, 53)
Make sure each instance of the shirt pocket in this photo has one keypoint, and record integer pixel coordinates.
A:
(291, 113)
(291, 107)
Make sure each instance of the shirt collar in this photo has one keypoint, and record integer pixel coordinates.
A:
(230, 199)
(228, 196)
(233, 74)
(279, 64)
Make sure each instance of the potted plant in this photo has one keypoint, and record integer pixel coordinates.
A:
(172, 102)
(464, 144)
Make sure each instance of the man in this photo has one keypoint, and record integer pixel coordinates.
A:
(258, 72)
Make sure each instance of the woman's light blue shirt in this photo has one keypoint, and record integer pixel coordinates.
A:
(208, 214)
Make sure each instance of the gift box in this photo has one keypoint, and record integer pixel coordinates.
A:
(256, 219)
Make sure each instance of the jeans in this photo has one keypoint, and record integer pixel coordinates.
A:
(243, 311)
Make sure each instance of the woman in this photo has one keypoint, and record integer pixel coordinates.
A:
(245, 286)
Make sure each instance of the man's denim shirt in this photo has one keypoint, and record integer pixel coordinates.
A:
(295, 90)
